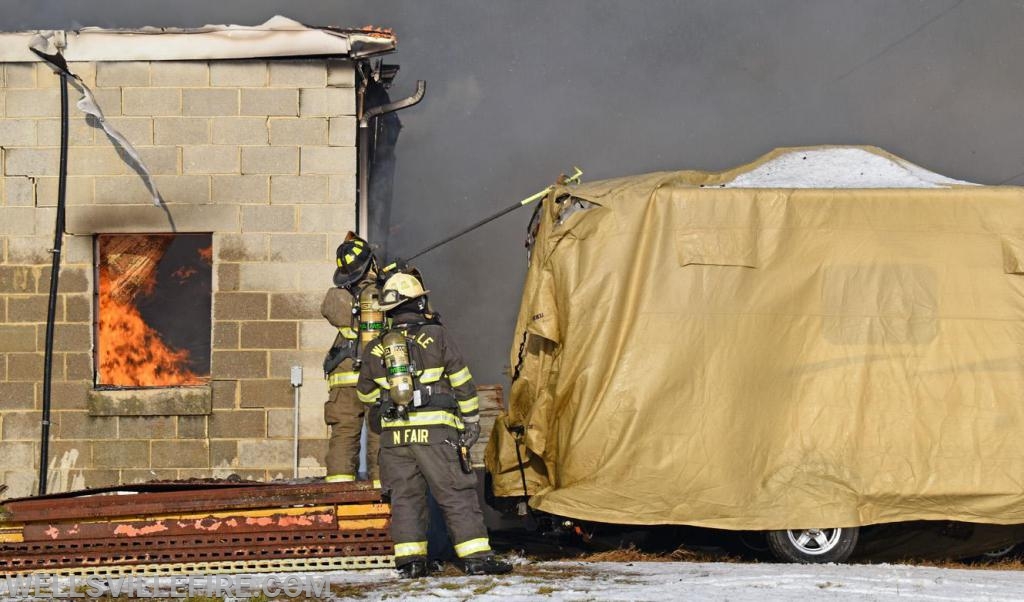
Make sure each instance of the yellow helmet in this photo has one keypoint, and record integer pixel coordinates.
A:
(400, 288)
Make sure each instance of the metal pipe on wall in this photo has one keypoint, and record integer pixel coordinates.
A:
(366, 116)
(51, 310)
(296, 385)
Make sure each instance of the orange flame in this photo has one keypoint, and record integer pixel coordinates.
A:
(376, 29)
(130, 352)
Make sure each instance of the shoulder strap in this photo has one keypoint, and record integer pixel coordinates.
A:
(430, 320)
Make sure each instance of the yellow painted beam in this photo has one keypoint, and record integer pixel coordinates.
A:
(358, 525)
(363, 510)
(224, 514)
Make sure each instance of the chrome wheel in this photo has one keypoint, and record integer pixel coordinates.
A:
(813, 545)
(814, 542)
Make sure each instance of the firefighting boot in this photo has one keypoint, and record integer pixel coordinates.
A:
(413, 570)
(486, 565)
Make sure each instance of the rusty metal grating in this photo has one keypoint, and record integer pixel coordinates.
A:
(72, 546)
(223, 567)
(304, 525)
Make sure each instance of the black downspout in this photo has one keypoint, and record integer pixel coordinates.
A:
(51, 310)
(363, 168)
(367, 115)
(362, 148)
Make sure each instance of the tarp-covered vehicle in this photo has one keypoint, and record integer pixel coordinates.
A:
(824, 339)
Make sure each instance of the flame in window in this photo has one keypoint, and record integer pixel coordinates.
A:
(130, 352)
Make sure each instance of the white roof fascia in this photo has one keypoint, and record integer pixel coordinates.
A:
(278, 37)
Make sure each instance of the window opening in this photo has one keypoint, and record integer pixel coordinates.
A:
(153, 302)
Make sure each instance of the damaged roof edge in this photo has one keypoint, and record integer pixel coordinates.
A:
(278, 37)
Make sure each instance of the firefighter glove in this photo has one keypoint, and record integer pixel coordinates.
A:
(374, 419)
(333, 359)
(471, 434)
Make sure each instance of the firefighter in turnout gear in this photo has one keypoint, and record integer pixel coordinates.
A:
(425, 406)
(351, 307)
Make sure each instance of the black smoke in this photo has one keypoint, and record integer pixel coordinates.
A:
(520, 90)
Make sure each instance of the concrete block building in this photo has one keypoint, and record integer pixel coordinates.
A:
(177, 326)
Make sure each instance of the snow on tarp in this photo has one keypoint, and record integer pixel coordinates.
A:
(769, 358)
(839, 167)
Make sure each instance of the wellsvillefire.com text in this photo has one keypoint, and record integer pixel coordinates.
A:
(41, 585)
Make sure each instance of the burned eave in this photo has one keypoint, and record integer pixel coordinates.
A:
(279, 37)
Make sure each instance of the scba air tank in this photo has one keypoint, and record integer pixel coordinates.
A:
(371, 318)
(397, 363)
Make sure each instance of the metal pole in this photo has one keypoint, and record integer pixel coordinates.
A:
(539, 195)
(296, 385)
(51, 311)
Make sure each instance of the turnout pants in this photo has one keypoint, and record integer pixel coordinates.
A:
(345, 414)
(407, 471)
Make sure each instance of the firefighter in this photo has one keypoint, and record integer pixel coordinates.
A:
(425, 406)
(351, 307)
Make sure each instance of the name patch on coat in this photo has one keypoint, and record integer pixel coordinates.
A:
(406, 436)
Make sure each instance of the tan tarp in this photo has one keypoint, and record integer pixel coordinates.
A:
(771, 358)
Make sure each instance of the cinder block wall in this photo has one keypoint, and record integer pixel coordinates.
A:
(260, 153)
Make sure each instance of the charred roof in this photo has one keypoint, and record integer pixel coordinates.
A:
(278, 37)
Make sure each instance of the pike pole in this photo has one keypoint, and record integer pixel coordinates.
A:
(563, 180)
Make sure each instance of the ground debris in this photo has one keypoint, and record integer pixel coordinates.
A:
(634, 554)
(1000, 564)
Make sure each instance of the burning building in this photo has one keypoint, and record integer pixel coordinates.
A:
(177, 323)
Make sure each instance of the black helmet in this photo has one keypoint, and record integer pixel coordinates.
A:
(354, 259)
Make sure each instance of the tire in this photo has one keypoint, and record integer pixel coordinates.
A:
(746, 545)
(998, 554)
(813, 546)
(754, 541)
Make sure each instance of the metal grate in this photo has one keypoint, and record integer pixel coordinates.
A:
(254, 565)
(259, 527)
(243, 539)
(279, 545)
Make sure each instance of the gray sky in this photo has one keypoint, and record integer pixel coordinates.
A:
(522, 90)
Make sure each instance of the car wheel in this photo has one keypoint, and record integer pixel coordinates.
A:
(999, 554)
(813, 545)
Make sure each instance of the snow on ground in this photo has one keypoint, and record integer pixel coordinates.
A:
(661, 581)
(839, 167)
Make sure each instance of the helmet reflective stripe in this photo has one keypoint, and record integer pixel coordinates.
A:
(354, 258)
(393, 297)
